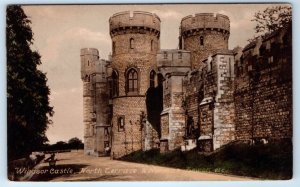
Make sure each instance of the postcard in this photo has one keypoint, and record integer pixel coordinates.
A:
(149, 92)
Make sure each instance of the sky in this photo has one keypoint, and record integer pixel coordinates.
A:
(60, 31)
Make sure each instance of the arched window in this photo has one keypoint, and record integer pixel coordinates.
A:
(131, 43)
(201, 40)
(132, 81)
(115, 84)
(152, 78)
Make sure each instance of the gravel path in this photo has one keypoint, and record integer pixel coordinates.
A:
(74, 166)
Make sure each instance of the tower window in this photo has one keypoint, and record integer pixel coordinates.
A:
(115, 84)
(152, 79)
(132, 81)
(165, 55)
(131, 43)
(179, 55)
(121, 123)
(201, 40)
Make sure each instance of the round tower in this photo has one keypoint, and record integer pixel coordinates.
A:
(88, 58)
(203, 34)
(135, 42)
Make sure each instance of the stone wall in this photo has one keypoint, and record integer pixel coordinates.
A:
(130, 138)
(263, 88)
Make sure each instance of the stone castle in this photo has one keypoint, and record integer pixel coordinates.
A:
(201, 96)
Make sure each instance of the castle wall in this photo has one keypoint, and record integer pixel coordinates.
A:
(173, 64)
(129, 138)
(210, 94)
(224, 113)
(263, 89)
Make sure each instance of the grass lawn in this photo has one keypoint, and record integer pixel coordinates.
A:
(270, 161)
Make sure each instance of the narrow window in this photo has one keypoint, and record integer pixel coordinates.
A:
(201, 41)
(132, 81)
(113, 47)
(106, 133)
(151, 45)
(131, 43)
(115, 84)
(165, 55)
(179, 55)
(152, 79)
(121, 123)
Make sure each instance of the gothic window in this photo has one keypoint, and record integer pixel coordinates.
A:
(132, 81)
(121, 123)
(152, 79)
(115, 84)
(131, 43)
(201, 40)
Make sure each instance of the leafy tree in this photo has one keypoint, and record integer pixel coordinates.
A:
(272, 19)
(75, 143)
(28, 110)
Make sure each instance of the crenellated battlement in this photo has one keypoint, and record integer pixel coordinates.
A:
(89, 51)
(205, 21)
(127, 20)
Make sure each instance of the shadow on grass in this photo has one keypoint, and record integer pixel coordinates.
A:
(270, 161)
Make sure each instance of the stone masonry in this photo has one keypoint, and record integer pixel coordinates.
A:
(202, 95)
(95, 102)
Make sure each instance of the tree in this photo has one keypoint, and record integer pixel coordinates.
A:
(75, 143)
(272, 19)
(28, 109)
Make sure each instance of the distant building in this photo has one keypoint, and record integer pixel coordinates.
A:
(202, 95)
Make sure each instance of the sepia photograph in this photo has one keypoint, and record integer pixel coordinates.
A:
(149, 92)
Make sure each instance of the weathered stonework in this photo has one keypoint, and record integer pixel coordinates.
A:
(173, 64)
(263, 88)
(204, 96)
(135, 40)
(95, 101)
(203, 34)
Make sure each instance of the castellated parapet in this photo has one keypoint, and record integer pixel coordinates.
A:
(205, 21)
(203, 34)
(127, 21)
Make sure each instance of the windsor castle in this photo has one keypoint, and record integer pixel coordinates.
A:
(200, 96)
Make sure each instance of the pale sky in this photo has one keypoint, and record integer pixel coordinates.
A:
(61, 31)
